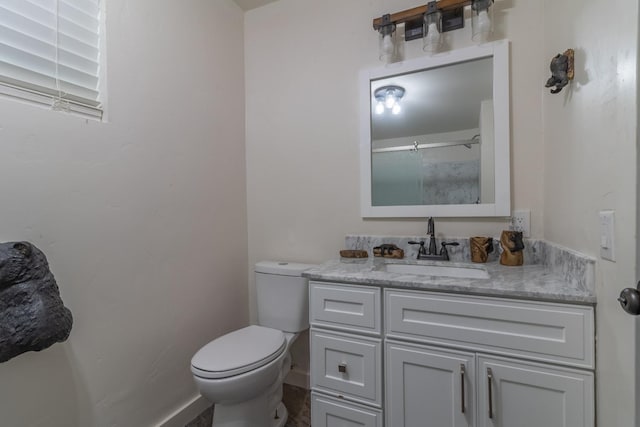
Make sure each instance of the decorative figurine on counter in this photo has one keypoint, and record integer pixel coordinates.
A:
(562, 71)
(512, 246)
(481, 247)
(32, 315)
(353, 253)
(388, 250)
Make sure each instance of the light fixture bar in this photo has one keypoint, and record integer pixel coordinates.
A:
(417, 12)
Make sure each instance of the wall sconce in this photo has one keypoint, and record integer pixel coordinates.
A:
(388, 98)
(430, 21)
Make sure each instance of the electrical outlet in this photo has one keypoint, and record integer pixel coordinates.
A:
(521, 221)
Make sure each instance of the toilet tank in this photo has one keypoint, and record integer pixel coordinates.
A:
(282, 295)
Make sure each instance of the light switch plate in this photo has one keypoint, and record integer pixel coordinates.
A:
(607, 233)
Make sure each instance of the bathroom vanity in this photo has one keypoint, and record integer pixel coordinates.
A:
(516, 348)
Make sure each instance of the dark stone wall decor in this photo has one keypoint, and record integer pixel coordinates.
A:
(32, 315)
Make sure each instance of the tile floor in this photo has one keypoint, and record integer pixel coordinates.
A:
(205, 419)
(296, 399)
(298, 403)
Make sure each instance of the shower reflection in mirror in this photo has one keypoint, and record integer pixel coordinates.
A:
(435, 173)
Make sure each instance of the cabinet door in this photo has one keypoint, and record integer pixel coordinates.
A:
(329, 412)
(429, 387)
(523, 394)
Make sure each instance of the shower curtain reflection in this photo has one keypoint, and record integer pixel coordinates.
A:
(396, 179)
(424, 177)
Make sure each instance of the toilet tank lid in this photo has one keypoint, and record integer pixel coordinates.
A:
(282, 268)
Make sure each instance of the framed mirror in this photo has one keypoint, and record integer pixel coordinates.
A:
(435, 135)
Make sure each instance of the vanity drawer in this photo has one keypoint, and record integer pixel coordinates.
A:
(535, 330)
(347, 366)
(346, 307)
(330, 412)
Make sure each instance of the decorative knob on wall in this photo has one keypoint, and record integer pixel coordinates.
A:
(630, 300)
(562, 71)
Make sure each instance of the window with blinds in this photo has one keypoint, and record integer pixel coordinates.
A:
(50, 53)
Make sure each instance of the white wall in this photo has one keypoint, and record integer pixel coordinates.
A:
(143, 218)
(590, 165)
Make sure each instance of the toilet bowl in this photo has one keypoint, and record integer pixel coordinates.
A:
(242, 372)
(240, 365)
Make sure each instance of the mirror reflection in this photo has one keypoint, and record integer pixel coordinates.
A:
(432, 136)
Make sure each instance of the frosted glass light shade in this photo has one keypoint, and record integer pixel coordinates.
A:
(481, 20)
(432, 41)
(387, 46)
(432, 35)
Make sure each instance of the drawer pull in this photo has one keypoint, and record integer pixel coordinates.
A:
(462, 372)
(342, 368)
(489, 381)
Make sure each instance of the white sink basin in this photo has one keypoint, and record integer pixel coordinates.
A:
(438, 270)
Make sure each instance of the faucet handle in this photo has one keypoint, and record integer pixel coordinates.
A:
(443, 250)
(422, 250)
(445, 244)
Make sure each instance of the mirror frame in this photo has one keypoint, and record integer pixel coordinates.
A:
(499, 50)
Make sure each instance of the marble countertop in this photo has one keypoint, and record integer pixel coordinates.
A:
(533, 282)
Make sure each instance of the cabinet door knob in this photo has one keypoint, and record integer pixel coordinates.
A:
(342, 368)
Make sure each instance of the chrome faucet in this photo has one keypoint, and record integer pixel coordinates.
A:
(431, 254)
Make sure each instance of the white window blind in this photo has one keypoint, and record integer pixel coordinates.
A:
(50, 52)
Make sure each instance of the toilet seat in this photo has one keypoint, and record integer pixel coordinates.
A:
(238, 352)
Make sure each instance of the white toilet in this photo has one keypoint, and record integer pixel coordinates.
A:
(242, 372)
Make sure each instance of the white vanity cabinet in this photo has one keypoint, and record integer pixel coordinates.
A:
(450, 360)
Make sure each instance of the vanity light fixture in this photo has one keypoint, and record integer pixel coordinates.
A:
(388, 98)
(432, 19)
